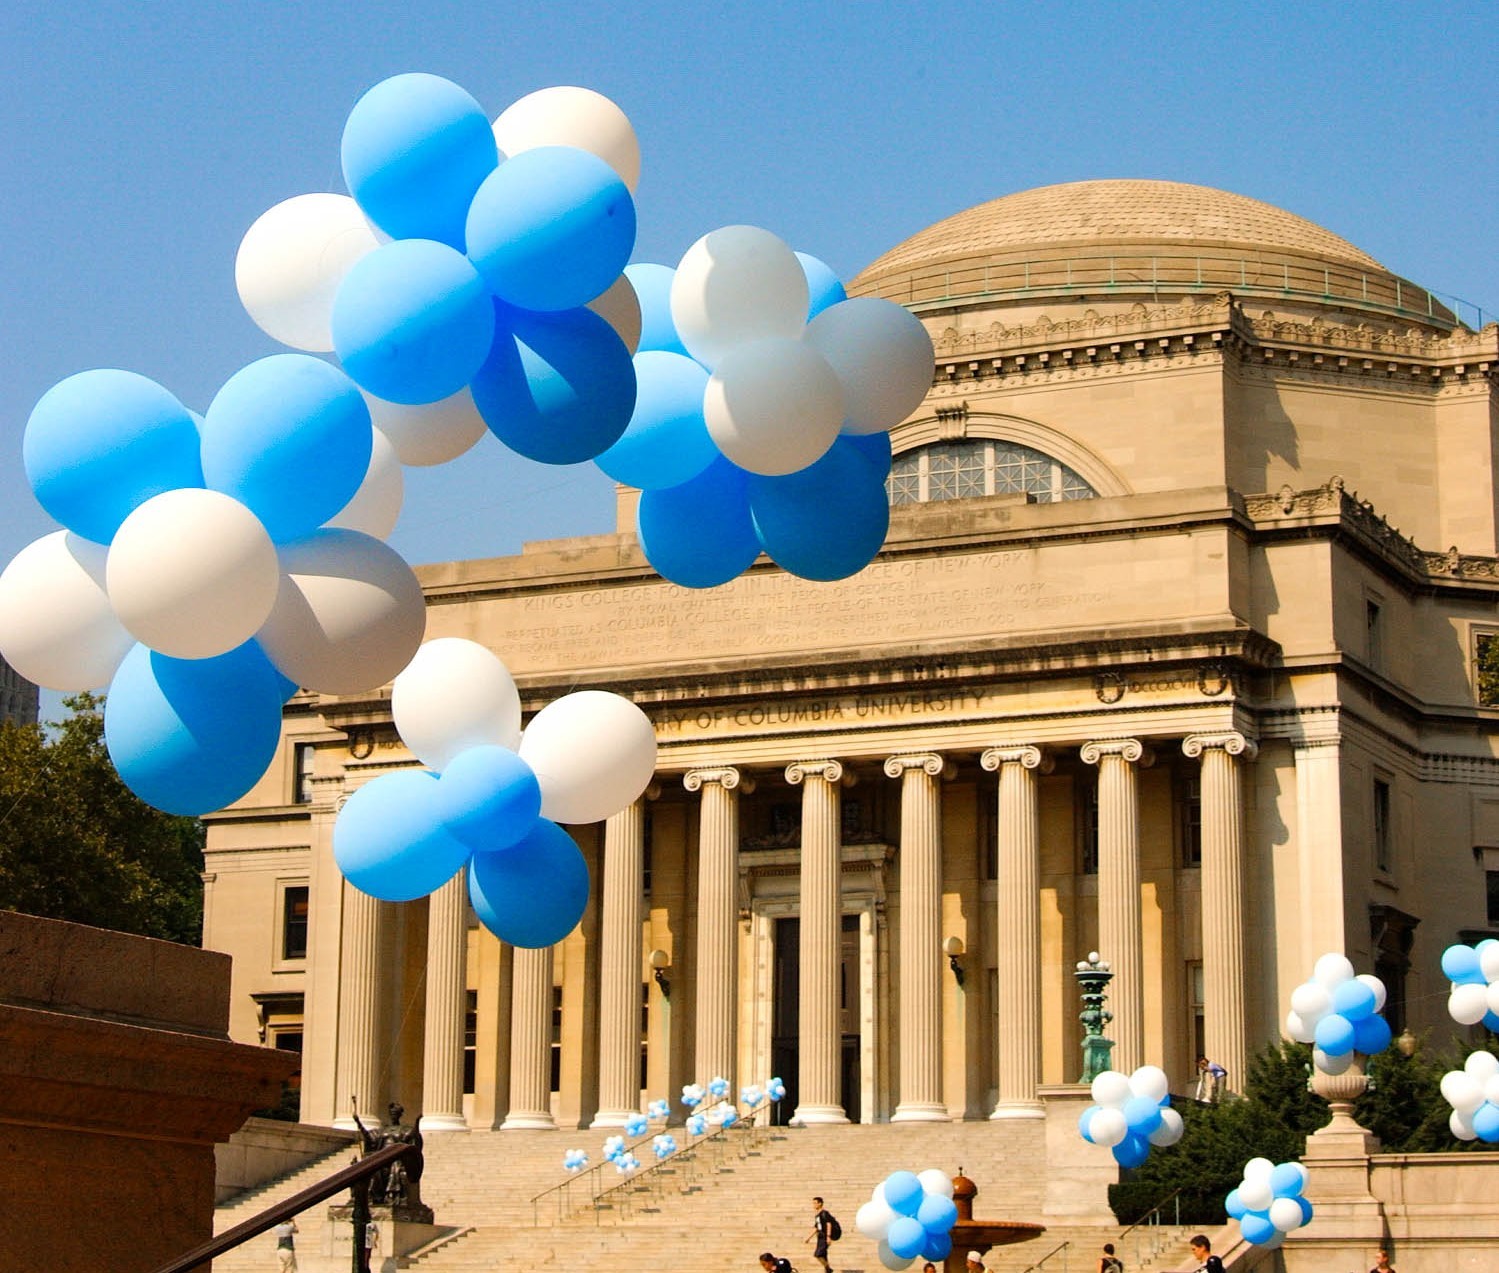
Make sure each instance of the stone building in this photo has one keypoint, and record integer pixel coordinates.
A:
(19, 698)
(1172, 653)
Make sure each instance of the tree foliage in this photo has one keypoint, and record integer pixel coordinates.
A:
(76, 844)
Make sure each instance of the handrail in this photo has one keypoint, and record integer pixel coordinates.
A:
(1155, 1210)
(717, 1138)
(340, 1180)
(1031, 1268)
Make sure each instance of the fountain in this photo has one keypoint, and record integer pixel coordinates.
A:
(980, 1235)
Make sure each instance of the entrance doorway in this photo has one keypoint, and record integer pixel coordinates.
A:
(786, 1012)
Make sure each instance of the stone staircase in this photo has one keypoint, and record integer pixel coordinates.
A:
(753, 1194)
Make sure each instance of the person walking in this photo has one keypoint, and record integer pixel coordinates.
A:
(774, 1264)
(1382, 1262)
(823, 1226)
(974, 1263)
(286, 1246)
(1202, 1251)
(1108, 1262)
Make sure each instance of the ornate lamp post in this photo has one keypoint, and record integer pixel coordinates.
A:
(1093, 977)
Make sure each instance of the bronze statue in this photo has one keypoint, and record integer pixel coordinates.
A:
(398, 1184)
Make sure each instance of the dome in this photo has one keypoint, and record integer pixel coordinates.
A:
(1092, 238)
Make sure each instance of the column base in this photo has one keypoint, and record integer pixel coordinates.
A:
(528, 1122)
(807, 1115)
(613, 1117)
(443, 1123)
(921, 1112)
(1017, 1109)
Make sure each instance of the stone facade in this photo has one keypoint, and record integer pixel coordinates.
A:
(19, 699)
(1213, 712)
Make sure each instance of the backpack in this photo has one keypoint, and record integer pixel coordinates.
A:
(1113, 1264)
(835, 1230)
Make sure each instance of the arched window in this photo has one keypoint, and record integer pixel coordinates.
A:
(980, 466)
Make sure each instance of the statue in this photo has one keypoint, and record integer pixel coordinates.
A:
(398, 1184)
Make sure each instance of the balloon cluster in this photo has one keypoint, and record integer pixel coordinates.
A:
(659, 1108)
(775, 1090)
(693, 1095)
(1131, 1112)
(763, 405)
(1338, 1013)
(575, 1160)
(494, 793)
(636, 1125)
(620, 1154)
(910, 1216)
(1268, 1202)
(1473, 1093)
(752, 1096)
(1474, 974)
(664, 1146)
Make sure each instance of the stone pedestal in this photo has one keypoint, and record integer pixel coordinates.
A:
(1078, 1175)
(402, 1231)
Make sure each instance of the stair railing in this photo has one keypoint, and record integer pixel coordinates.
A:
(1055, 1251)
(1148, 1238)
(355, 1178)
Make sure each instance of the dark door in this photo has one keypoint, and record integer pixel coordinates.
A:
(785, 1017)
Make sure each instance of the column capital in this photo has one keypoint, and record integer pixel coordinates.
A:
(725, 776)
(1131, 750)
(1026, 756)
(929, 761)
(1230, 741)
(830, 770)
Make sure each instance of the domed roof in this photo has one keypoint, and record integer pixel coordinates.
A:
(1099, 214)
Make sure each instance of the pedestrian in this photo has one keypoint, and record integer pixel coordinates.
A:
(371, 1245)
(1382, 1262)
(1210, 1076)
(1108, 1262)
(1202, 1251)
(286, 1246)
(974, 1263)
(825, 1229)
(928, 1267)
(775, 1264)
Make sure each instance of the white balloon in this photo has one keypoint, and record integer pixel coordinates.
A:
(569, 116)
(619, 306)
(1332, 970)
(291, 262)
(1491, 1090)
(1285, 1213)
(432, 433)
(1297, 1028)
(57, 627)
(1171, 1129)
(592, 752)
(1311, 1000)
(1482, 1065)
(1462, 1091)
(736, 285)
(192, 573)
(1331, 1064)
(1255, 1194)
(936, 1181)
(1149, 1081)
(889, 1259)
(1488, 958)
(349, 613)
(881, 354)
(453, 695)
(1466, 1004)
(1377, 986)
(1111, 1088)
(1108, 1126)
(1258, 1169)
(773, 406)
(1491, 996)
(1461, 1125)
(376, 506)
(873, 1219)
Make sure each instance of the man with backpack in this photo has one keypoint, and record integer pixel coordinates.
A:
(775, 1264)
(825, 1229)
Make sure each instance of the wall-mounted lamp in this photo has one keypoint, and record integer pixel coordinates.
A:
(660, 962)
(953, 949)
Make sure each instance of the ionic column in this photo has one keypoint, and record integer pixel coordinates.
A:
(1223, 895)
(1119, 935)
(619, 966)
(358, 1009)
(820, 1043)
(530, 1041)
(920, 936)
(1019, 928)
(717, 1004)
(442, 1052)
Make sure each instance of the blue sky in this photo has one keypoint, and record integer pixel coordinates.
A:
(143, 139)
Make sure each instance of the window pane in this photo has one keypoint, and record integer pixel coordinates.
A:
(962, 470)
(294, 923)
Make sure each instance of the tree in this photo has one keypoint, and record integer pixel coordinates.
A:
(76, 844)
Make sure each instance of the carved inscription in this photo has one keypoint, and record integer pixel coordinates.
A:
(782, 713)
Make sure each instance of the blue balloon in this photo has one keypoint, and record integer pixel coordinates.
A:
(1234, 1205)
(905, 1237)
(874, 447)
(652, 284)
(1491, 1021)
(415, 149)
(1462, 967)
(488, 797)
(827, 521)
(413, 321)
(556, 388)
(1142, 1114)
(193, 735)
(101, 443)
(938, 1246)
(903, 1192)
(1486, 1122)
(667, 441)
(1334, 1034)
(1306, 1209)
(1354, 1000)
(1084, 1119)
(937, 1213)
(1287, 1180)
(533, 893)
(699, 534)
(823, 286)
(289, 437)
(1256, 1227)
(551, 228)
(389, 841)
(1133, 1150)
(1371, 1035)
